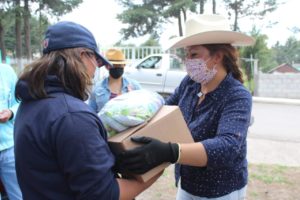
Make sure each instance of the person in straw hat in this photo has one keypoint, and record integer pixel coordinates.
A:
(216, 107)
(113, 85)
(60, 143)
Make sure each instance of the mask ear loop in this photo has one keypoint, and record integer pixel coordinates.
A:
(207, 60)
(214, 66)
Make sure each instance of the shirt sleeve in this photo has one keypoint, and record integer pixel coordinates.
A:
(92, 101)
(84, 157)
(137, 85)
(230, 141)
(13, 104)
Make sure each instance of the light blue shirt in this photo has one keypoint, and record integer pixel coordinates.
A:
(101, 93)
(8, 79)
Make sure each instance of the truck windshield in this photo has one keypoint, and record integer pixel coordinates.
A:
(151, 63)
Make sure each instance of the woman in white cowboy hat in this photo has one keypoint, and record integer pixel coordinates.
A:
(113, 85)
(216, 107)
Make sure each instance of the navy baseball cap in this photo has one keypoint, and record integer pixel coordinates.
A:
(65, 34)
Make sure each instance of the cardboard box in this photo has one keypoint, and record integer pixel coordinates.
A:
(167, 125)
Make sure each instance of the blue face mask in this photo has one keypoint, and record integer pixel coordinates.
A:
(116, 72)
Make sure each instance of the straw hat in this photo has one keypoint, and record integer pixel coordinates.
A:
(115, 56)
(210, 29)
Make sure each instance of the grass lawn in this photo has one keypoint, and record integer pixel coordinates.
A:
(266, 182)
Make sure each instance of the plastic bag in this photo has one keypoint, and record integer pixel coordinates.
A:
(130, 109)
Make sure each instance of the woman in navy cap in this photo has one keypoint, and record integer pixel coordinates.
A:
(60, 143)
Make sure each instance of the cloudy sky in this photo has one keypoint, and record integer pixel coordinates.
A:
(100, 18)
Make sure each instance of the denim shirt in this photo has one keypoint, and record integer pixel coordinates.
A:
(101, 93)
(8, 80)
(220, 122)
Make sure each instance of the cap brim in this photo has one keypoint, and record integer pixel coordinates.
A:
(212, 37)
(104, 60)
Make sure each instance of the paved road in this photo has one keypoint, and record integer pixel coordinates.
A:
(274, 137)
(275, 121)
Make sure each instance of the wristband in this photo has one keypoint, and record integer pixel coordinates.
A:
(179, 153)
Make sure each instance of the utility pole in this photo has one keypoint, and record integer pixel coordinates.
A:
(255, 76)
(255, 72)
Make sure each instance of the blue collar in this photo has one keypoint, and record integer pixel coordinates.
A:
(125, 83)
(218, 93)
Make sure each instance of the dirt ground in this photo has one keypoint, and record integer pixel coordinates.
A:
(266, 182)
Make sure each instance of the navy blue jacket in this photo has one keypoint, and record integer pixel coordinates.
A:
(61, 148)
(220, 122)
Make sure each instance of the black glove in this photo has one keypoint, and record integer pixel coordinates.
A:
(149, 155)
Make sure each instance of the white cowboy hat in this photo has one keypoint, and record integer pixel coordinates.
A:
(210, 29)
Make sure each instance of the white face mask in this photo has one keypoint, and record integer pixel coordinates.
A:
(198, 70)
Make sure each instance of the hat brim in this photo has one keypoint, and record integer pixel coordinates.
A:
(104, 60)
(121, 62)
(212, 37)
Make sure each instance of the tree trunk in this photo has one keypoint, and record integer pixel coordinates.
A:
(235, 26)
(214, 6)
(27, 30)
(18, 33)
(40, 26)
(184, 14)
(2, 44)
(202, 6)
(179, 24)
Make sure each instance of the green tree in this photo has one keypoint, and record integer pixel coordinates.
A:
(260, 51)
(49, 7)
(53, 8)
(18, 34)
(5, 21)
(35, 39)
(57, 8)
(245, 8)
(203, 2)
(36, 25)
(289, 52)
(214, 6)
(178, 7)
(152, 41)
(148, 16)
(26, 15)
(201, 5)
(140, 19)
(46, 8)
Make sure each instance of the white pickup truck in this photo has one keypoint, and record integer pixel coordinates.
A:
(161, 73)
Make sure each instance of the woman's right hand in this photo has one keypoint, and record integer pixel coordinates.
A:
(151, 154)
